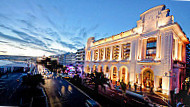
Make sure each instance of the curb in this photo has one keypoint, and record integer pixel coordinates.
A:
(47, 98)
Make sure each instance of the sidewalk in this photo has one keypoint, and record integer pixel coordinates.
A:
(116, 94)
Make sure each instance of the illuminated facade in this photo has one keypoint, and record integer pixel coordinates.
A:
(147, 54)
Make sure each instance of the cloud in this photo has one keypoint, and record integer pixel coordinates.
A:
(64, 44)
(3, 51)
(76, 38)
(4, 42)
(28, 38)
(48, 39)
(11, 38)
(41, 28)
(79, 44)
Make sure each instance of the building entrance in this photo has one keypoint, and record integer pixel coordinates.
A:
(148, 79)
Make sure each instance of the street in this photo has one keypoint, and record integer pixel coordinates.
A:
(62, 93)
(8, 86)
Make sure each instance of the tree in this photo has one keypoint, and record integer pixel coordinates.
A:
(33, 80)
(123, 87)
(99, 79)
(54, 65)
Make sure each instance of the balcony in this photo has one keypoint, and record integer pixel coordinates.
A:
(149, 61)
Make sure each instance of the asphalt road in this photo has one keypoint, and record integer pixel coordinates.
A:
(8, 87)
(62, 93)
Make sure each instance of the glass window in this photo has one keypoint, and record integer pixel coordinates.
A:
(107, 69)
(151, 48)
(101, 54)
(107, 57)
(96, 54)
(115, 52)
(126, 51)
(114, 73)
(88, 55)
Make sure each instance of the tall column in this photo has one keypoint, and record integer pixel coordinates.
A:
(144, 48)
(120, 52)
(118, 74)
(158, 46)
(184, 52)
(139, 49)
(176, 49)
(92, 55)
(98, 54)
(111, 52)
(180, 51)
(104, 55)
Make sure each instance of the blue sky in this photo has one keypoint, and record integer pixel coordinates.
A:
(46, 27)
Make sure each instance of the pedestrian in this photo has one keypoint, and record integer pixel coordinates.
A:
(129, 85)
(180, 103)
(140, 87)
(135, 85)
(151, 88)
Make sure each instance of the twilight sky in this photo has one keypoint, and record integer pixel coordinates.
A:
(47, 27)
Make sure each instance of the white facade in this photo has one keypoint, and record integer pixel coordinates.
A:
(70, 58)
(147, 54)
(80, 56)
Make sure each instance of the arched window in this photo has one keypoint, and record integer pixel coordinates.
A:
(123, 74)
(114, 73)
(88, 68)
(107, 69)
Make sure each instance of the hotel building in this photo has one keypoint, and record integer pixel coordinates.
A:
(80, 56)
(152, 53)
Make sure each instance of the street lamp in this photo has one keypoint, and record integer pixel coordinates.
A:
(169, 75)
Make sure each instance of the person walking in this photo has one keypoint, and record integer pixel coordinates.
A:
(129, 86)
(140, 87)
(135, 85)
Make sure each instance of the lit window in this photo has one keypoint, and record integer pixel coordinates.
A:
(151, 48)
(107, 57)
(126, 51)
(96, 54)
(107, 69)
(115, 52)
(101, 54)
(114, 73)
(88, 55)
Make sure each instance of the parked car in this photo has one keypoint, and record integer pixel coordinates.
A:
(92, 103)
(64, 76)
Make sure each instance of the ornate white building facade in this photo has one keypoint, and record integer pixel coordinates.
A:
(151, 54)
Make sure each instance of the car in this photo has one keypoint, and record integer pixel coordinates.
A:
(92, 103)
(64, 76)
(48, 75)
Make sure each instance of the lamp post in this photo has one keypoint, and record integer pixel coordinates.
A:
(169, 75)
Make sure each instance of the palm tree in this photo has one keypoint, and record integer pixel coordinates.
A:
(99, 79)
